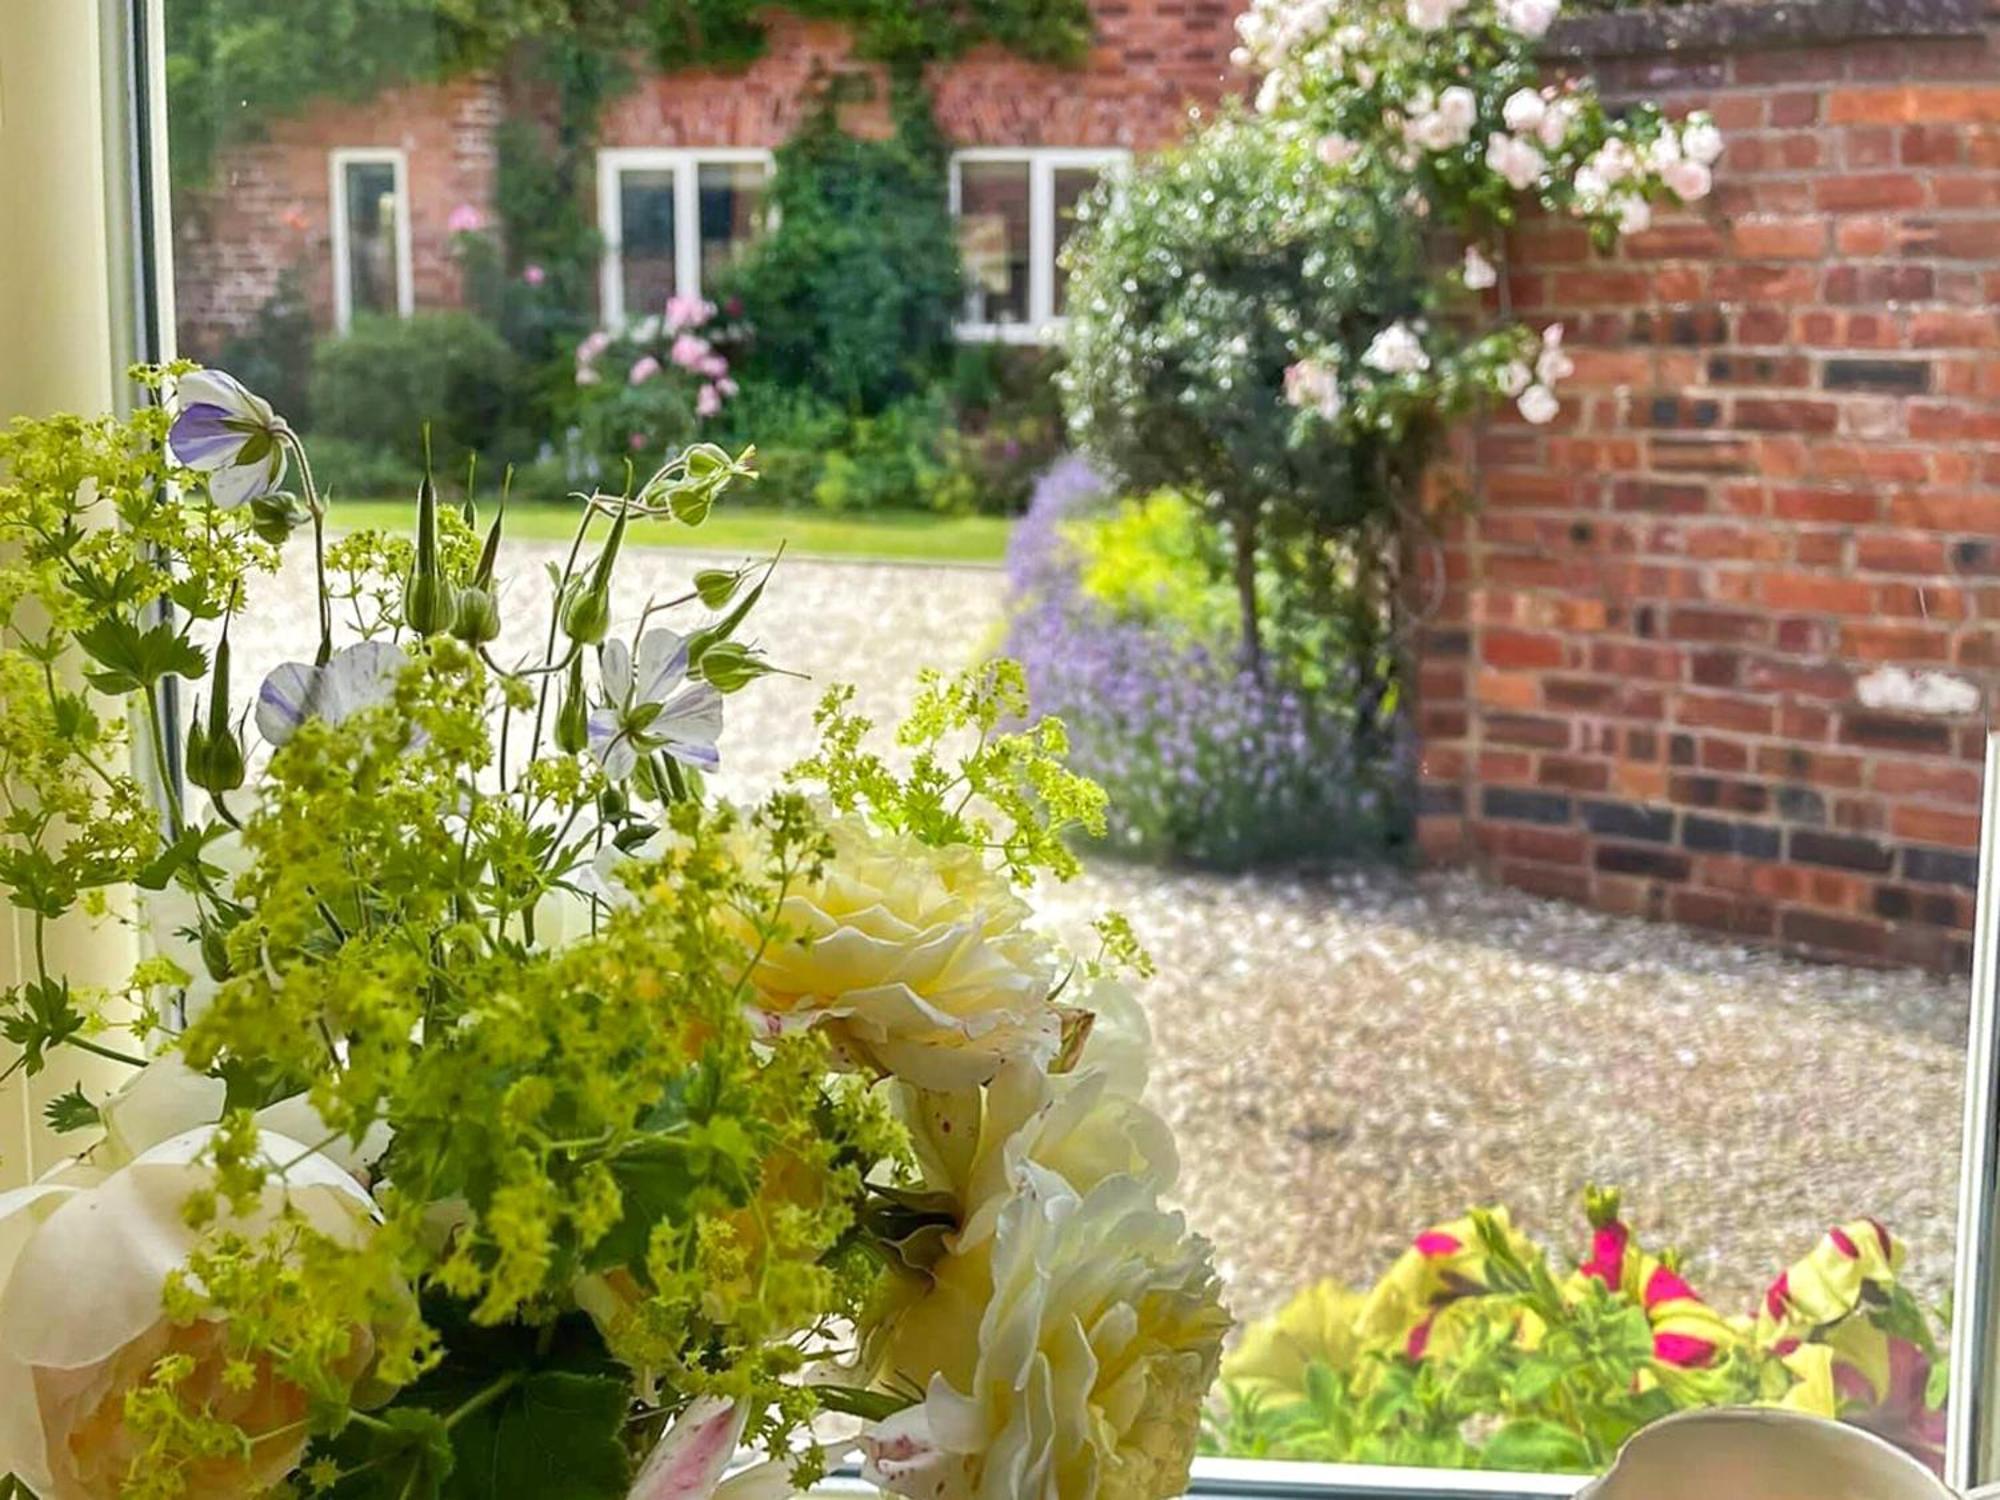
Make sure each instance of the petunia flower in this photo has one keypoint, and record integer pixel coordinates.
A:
(650, 705)
(228, 433)
(357, 677)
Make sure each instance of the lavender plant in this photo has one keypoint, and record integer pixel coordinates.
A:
(1203, 760)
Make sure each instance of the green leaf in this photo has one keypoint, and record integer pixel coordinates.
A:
(135, 660)
(654, 1180)
(554, 1435)
(177, 856)
(71, 1111)
(1537, 1446)
(39, 1017)
(404, 1453)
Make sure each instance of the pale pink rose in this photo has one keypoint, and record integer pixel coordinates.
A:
(593, 345)
(1524, 110)
(1479, 273)
(727, 386)
(533, 273)
(714, 366)
(1552, 364)
(1397, 350)
(1635, 215)
(1532, 18)
(1515, 160)
(1460, 106)
(687, 312)
(1555, 125)
(1538, 405)
(1701, 141)
(1336, 150)
(1687, 180)
(587, 375)
(707, 401)
(688, 350)
(1514, 378)
(465, 219)
(643, 369)
(1313, 385)
(1432, 15)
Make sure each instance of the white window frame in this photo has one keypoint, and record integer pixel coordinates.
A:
(685, 162)
(338, 161)
(1043, 162)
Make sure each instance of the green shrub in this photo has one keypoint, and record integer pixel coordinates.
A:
(853, 292)
(379, 385)
(273, 355)
(1188, 293)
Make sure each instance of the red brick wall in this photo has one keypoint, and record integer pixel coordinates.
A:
(1152, 60)
(270, 205)
(1719, 645)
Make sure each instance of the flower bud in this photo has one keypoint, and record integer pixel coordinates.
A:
(214, 952)
(429, 603)
(586, 617)
(729, 666)
(477, 619)
(275, 516)
(214, 750)
(573, 715)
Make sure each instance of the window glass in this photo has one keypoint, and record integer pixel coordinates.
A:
(994, 239)
(1070, 186)
(732, 211)
(1353, 1053)
(646, 244)
(371, 208)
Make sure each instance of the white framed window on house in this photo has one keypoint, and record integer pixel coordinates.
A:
(1015, 209)
(673, 220)
(369, 188)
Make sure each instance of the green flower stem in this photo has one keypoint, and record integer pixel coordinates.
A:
(485, 1398)
(176, 815)
(318, 509)
(555, 626)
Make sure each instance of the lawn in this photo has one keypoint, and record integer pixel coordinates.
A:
(897, 535)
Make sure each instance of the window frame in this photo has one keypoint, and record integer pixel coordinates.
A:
(1043, 162)
(685, 162)
(338, 160)
(138, 221)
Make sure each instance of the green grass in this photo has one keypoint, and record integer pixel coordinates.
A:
(898, 535)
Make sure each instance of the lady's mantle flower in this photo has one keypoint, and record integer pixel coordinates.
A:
(228, 433)
(1067, 1356)
(355, 678)
(653, 707)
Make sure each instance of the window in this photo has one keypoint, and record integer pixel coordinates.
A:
(1016, 210)
(673, 220)
(371, 235)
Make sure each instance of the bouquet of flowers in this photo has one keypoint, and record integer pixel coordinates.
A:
(504, 1114)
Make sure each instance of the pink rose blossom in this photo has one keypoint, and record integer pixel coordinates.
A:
(643, 370)
(465, 219)
(687, 312)
(714, 366)
(707, 401)
(533, 274)
(688, 351)
(1687, 180)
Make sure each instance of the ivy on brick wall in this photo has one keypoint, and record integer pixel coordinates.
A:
(232, 64)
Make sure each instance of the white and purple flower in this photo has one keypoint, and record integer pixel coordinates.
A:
(356, 677)
(227, 432)
(650, 705)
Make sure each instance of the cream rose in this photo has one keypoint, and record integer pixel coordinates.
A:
(913, 960)
(1064, 1359)
(67, 1361)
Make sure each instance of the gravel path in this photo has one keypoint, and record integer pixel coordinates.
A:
(1349, 1058)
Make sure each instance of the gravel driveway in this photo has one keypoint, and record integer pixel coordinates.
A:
(1349, 1058)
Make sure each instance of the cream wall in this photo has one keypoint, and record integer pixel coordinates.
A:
(56, 353)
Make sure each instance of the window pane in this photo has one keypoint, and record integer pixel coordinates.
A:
(646, 238)
(993, 239)
(370, 191)
(732, 213)
(1071, 186)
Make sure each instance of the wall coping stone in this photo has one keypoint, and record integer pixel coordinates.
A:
(1722, 26)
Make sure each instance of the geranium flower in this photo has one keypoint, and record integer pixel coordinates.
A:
(653, 707)
(230, 434)
(356, 677)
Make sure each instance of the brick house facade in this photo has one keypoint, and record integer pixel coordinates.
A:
(1718, 646)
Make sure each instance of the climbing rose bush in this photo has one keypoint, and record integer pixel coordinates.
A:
(1475, 1351)
(1441, 105)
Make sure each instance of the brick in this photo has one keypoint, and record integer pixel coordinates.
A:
(1779, 239)
(1898, 376)
(1654, 864)
(1519, 806)
(1880, 731)
(1624, 820)
(1718, 836)
(1818, 932)
(1936, 825)
(1941, 867)
(1760, 414)
(1814, 847)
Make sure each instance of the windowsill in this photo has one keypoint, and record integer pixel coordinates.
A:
(1269, 1479)
(1007, 333)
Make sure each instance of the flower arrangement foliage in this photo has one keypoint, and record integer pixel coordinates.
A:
(505, 1114)
(1473, 1351)
(650, 386)
(1124, 621)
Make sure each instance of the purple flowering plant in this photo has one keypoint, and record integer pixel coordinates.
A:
(1203, 761)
